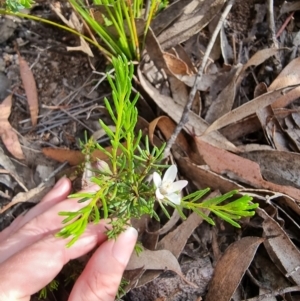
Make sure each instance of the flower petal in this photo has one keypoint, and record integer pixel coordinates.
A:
(177, 186)
(170, 174)
(158, 194)
(174, 198)
(156, 179)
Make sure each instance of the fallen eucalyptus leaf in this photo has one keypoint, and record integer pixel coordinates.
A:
(231, 267)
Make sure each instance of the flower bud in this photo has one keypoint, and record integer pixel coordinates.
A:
(103, 167)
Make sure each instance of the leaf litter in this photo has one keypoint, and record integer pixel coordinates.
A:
(242, 133)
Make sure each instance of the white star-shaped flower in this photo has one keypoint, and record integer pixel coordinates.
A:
(166, 187)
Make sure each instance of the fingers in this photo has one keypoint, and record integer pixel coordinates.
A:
(40, 226)
(102, 275)
(58, 193)
(38, 267)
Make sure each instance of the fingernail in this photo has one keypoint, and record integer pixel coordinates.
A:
(59, 182)
(124, 245)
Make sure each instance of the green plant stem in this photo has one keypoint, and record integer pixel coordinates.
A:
(21, 15)
(115, 49)
(133, 31)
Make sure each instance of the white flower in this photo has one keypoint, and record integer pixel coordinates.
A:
(166, 187)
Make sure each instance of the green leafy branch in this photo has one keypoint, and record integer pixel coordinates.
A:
(130, 182)
(231, 211)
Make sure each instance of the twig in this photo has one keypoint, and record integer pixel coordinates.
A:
(185, 114)
(284, 25)
(272, 29)
(272, 22)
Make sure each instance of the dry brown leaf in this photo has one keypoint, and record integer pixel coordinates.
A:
(245, 110)
(161, 61)
(225, 99)
(246, 171)
(9, 168)
(272, 129)
(132, 276)
(231, 268)
(195, 124)
(175, 217)
(11, 141)
(287, 98)
(168, 15)
(30, 89)
(34, 196)
(203, 178)
(196, 15)
(8, 135)
(71, 156)
(289, 76)
(179, 90)
(175, 64)
(260, 89)
(280, 248)
(74, 23)
(259, 57)
(280, 167)
(181, 234)
(154, 260)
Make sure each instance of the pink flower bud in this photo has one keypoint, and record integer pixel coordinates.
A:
(103, 167)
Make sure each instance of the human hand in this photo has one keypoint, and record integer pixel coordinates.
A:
(31, 256)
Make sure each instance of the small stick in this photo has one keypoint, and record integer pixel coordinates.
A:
(186, 110)
(277, 62)
(284, 25)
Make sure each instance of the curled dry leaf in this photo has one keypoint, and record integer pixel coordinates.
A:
(245, 110)
(30, 89)
(231, 268)
(7, 133)
(176, 65)
(281, 249)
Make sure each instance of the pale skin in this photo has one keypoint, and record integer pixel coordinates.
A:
(31, 256)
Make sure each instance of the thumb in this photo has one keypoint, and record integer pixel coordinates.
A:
(102, 275)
